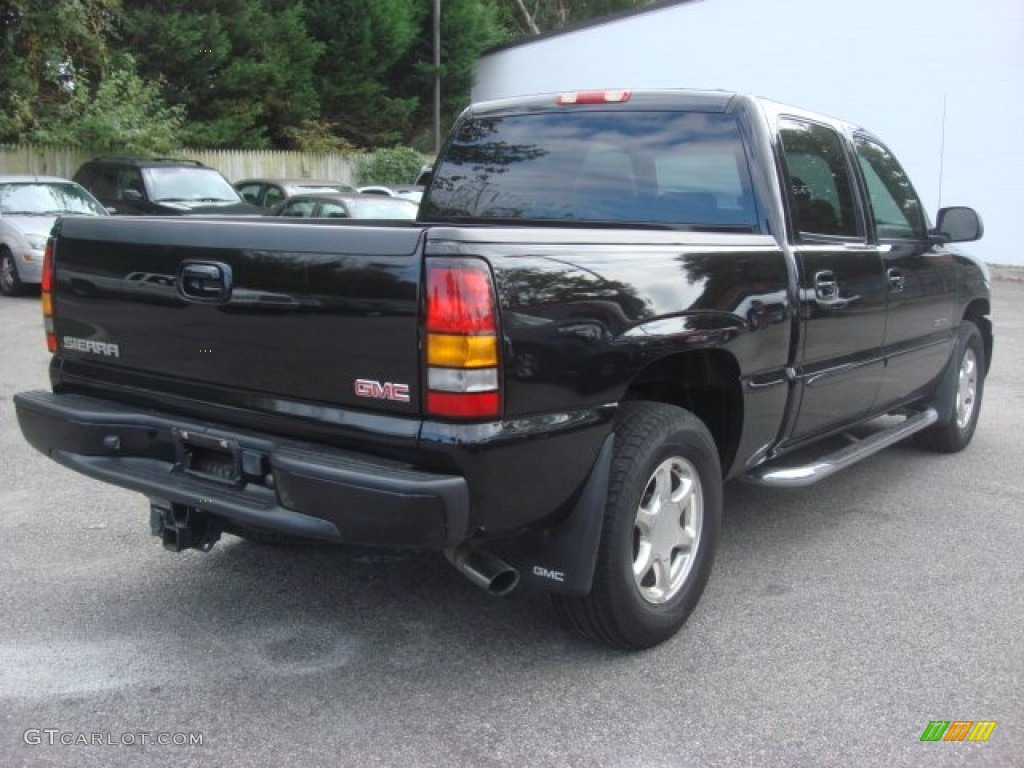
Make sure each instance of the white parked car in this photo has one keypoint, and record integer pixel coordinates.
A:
(404, 191)
(29, 205)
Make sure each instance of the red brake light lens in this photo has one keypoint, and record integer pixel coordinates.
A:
(46, 283)
(593, 97)
(461, 354)
(466, 406)
(46, 288)
(460, 299)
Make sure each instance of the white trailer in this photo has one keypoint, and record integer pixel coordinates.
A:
(940, 81)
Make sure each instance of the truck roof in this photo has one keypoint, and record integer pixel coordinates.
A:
(684, 99)
(687, 99)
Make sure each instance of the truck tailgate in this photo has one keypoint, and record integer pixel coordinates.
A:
(297, 310)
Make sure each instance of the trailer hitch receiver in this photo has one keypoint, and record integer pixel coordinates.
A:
(182, 527)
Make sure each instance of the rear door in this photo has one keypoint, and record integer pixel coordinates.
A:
(842, 287)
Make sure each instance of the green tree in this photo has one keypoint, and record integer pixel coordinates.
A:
(533, 17)
(357, 80)
(391, 166)
(243, 69)
(468, 27)
(124, 114)
(47, 51)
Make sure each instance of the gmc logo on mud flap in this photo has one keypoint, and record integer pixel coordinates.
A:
(399, 393)
(544, 573)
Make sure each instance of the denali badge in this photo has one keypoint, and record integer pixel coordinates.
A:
(378, 391)
(88, 345)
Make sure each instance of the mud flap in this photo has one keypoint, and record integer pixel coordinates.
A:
(562, 559)
(944, 398)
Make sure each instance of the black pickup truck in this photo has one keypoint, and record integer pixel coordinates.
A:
(611, 303)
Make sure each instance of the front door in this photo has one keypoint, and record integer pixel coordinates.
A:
(920, 276)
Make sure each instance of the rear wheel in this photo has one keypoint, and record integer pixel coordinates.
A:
(662, 517)
(963, 399)
(10, 283)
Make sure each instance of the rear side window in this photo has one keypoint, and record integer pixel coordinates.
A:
(820, 188)
(300, 208)
(333, 211)
(685, 169)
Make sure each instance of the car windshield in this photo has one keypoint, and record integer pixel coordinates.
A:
(40, 198)
(189, 184)
(312, 189)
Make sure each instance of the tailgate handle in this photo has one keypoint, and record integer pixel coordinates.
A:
(204, 280)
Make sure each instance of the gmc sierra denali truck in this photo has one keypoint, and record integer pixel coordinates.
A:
(611, 303)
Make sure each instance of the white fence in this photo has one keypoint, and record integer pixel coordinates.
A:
(235, 164)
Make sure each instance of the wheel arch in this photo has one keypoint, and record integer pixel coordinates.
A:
(977, 312)
(705, 382)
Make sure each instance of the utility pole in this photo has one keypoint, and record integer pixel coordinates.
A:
(437, 77)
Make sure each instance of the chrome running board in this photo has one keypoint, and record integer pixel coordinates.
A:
(806, 474)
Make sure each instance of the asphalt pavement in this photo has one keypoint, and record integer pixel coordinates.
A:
(840, 620)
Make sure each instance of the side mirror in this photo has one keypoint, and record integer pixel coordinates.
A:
(959, 224)
(132, 196)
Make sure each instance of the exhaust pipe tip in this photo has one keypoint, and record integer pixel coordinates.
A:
(484, 569)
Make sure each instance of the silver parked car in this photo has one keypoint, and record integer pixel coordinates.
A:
(405, 191)
(267, 193)
(29, 205)
(332, 206)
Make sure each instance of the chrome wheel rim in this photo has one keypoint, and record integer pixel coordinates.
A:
(967, 388)
(7, 271)
(666, 532)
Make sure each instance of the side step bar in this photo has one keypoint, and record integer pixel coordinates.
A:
(806, 474)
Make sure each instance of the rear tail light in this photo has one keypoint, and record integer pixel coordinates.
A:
(461, 350)
(46, 289)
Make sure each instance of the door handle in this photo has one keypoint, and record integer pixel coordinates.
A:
(896, 280)
(826, 291)
(205, 281)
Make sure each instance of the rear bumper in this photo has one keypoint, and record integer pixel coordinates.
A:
(264, 481)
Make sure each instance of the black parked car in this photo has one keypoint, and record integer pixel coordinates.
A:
(160, 186)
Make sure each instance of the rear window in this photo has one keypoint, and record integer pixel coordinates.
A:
(685, 169)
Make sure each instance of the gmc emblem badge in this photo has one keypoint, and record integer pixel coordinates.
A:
(387, 390)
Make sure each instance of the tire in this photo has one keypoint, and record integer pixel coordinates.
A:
(652, 566)
(10, 283)
(962, 399)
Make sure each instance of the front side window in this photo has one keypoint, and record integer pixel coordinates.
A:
(250, 193)
(130, 181)
(678, 169)
(820, 188)
(895, 205)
